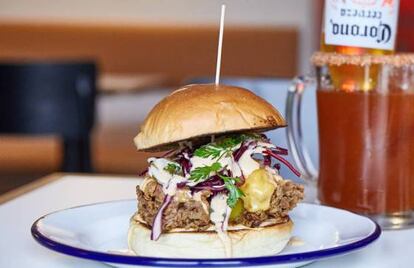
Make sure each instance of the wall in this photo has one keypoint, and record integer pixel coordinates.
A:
(297, 13)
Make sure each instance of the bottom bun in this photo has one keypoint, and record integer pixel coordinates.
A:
(246, 242)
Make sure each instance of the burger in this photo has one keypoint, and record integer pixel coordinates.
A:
(216, 192)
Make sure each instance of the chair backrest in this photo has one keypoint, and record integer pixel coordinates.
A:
(47, 98)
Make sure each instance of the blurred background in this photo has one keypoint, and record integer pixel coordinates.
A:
(78, 77)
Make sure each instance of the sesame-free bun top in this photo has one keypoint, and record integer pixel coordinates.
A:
(201, 110)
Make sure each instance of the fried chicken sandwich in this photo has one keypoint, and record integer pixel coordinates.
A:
(216, 192)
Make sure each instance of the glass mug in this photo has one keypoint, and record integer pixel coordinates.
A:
(366, 135)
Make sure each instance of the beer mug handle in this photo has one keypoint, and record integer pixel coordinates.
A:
(295, 141)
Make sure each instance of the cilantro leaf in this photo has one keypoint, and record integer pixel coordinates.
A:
(223, 146)
(208, 150)
(203, 173)
(234, 192)
(229, 142)
(173, 168)
(218, 149)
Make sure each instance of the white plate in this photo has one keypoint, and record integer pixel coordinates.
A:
(99, 232)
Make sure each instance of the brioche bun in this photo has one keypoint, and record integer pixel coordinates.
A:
(246, 242)
(202, 110)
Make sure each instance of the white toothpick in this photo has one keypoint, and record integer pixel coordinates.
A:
(220, 44)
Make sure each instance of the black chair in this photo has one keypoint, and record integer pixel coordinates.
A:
(51, 98)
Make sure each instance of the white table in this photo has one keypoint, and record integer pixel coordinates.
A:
(59, 191)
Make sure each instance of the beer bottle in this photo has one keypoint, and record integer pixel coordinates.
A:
(358, 27)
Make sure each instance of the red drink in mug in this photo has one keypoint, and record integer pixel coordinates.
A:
(366, 138)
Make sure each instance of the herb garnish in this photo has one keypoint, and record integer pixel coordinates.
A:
(234, 192)
(173, 168)
(216, 150)
(222, 146)
(206, 151)
(203, 173)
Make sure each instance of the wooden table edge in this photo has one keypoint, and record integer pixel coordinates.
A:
(10, 195)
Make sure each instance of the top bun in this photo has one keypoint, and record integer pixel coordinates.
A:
(201, 110)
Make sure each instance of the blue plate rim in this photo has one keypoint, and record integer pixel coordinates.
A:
(183, 262)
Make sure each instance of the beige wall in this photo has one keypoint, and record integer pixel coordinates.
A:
(297, 13)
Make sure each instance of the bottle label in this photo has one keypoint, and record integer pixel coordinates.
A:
(361, 23)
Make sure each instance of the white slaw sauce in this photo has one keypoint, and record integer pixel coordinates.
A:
(220, 214)
(246, 161)
(166, 179)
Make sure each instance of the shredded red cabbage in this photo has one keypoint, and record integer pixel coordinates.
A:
(239, 152)
(184, 161)
(243, 147)
(284, 161)
(280, 150)
(183, 158)
(157, 223)
(214, 184)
